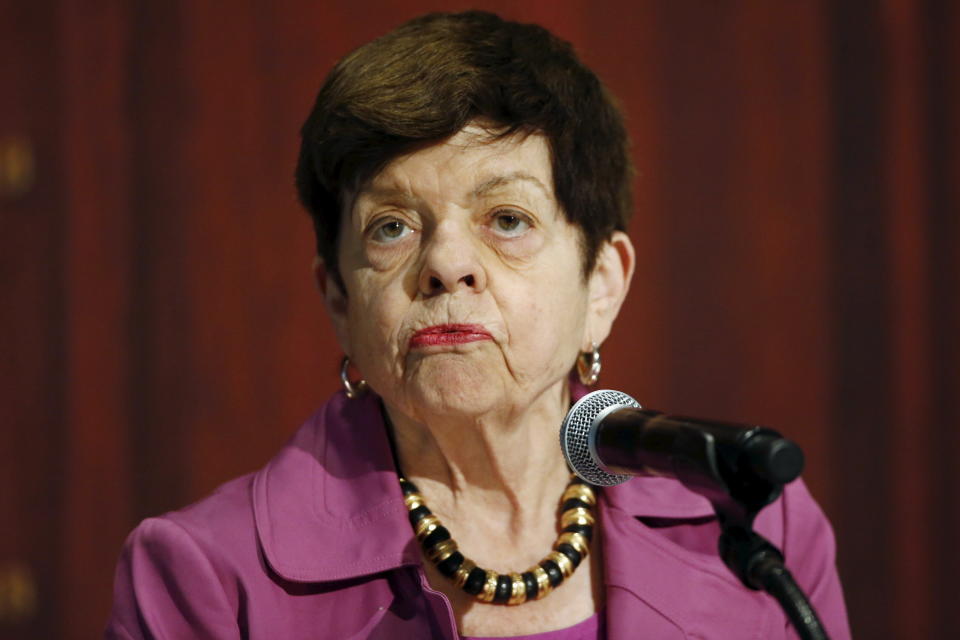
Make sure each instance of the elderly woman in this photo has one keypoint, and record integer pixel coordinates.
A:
(469, 183)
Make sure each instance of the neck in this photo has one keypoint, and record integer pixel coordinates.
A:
(506, 466)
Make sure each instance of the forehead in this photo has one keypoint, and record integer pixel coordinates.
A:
(473, 162)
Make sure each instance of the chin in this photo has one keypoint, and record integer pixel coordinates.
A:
(456, 390)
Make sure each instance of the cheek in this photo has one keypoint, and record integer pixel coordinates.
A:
(375, 314)
(546, 325)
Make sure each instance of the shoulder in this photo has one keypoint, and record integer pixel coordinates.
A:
(179, 574)
(222, 522)
(659, 517)
(320, 518)
(799, 527)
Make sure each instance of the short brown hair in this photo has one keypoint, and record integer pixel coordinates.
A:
(426, 80)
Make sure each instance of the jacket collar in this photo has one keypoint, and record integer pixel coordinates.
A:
(657, 497)
(329, 507)
(686, 593)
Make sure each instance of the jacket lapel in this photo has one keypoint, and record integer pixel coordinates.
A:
(329, 506)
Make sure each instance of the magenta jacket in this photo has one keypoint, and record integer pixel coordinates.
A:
(317, 545)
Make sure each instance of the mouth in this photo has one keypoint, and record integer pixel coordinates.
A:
(447, 334)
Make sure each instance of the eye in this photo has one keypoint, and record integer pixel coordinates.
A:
(510, 223)
(391, 230)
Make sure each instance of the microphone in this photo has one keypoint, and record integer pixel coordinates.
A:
(607, 437)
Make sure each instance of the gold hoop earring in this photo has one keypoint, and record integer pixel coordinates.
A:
(352, 389)
(588, 366)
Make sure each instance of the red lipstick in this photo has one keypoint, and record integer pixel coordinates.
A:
(446, 334)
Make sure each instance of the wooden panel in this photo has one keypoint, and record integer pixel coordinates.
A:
(32, 379)
(861, 300)
(940, 35)
(95, 151)
(163, 387)
(779, 317)
(908, 243)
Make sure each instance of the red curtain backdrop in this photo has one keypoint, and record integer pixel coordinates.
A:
(796, 226)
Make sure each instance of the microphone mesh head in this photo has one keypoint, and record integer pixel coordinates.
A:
(578, 428)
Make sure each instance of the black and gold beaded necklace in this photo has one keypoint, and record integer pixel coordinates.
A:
(571, 547)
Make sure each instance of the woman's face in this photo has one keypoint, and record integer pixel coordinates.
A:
(464, 290)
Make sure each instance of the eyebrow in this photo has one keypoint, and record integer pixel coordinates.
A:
(392, 194)
(404, 198)
(517, 176)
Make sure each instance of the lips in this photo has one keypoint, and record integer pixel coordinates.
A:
(449, 334)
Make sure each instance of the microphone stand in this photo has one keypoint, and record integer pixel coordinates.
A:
(739, 482)
(759, 565)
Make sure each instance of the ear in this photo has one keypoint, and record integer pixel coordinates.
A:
(334, 299)
(607, 286)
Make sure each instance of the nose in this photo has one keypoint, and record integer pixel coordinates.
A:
(451, 262)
